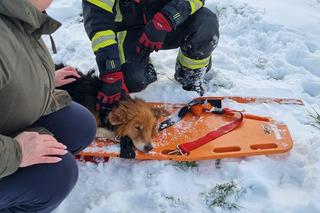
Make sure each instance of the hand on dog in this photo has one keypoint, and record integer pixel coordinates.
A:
(65, 76)
(38, 149)
(113, 90)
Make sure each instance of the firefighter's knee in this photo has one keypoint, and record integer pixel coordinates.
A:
(207, 22)
(138, 76)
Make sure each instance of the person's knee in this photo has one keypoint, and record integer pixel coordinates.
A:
(44, 186)
(204, 30)
(60, 181)
(205, 18)
(135, 77)
(89, 125)
(135, 85)
(74, 126)
(84, 129)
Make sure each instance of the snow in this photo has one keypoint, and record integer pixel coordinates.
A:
(267, 48)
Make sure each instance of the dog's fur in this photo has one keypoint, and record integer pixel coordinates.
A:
(133, 117)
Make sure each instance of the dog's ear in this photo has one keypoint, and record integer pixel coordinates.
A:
(116, 117)
(159, 112)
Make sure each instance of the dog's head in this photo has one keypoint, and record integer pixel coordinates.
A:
(137, 120)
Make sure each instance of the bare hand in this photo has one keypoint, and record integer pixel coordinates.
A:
(38, 149)
(62, 74)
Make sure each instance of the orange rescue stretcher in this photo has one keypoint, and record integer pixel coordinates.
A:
(201, 134)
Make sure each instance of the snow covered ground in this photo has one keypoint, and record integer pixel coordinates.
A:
(267, 48)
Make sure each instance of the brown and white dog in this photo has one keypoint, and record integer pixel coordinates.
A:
(133, 118)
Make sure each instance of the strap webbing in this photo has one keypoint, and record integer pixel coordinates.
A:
(188, 147)
(183, 111)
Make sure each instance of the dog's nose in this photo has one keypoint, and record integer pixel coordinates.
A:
(147, 148)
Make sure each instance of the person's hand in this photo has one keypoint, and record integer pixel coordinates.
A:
(65, 76)
(113, 90)
(154, 34)
(38, 149)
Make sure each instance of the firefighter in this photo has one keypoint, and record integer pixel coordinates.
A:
(123, 33)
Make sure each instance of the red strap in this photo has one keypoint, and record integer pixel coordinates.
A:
(187, 147)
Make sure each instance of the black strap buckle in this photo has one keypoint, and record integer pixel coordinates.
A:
(183, 111)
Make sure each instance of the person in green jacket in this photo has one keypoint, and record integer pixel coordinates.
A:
(41, 129)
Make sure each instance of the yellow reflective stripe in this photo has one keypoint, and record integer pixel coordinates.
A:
(112, 64)
(103, 39)
(195, 5)
(104, 4)
(192, 63)
(119, 17)
(121, 37)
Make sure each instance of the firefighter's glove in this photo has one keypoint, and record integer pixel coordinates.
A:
(112, 91)
(154, 34)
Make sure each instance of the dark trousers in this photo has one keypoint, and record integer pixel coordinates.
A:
(197, 37)
(42, 187)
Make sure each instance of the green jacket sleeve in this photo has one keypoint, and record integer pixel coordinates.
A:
(10, 155)
(10, 150)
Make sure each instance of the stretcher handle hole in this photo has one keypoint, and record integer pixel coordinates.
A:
(227, 149)
(264, 146)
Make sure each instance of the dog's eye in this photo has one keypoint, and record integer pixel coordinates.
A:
(138, 128)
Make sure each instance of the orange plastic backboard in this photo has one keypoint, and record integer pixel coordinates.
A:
(256, 136)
